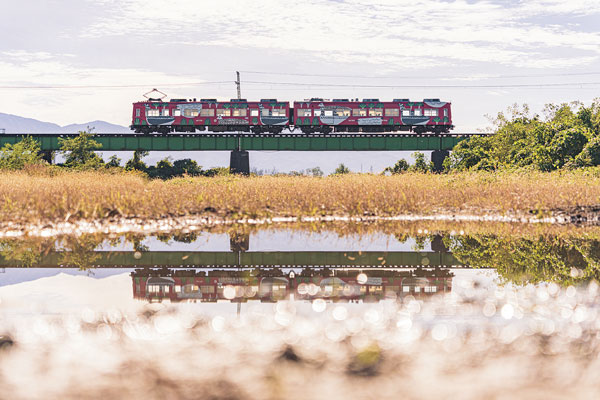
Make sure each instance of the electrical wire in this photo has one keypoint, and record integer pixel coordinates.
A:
(424, 77)
(399, 86)
(116, 86)
(313, 84)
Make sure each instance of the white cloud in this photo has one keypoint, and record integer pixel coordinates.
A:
(76, 103)
(390, 31)
(477, 40)
(53, 70)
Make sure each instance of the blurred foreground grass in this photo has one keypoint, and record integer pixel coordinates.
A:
(481, 341)
(50, 195)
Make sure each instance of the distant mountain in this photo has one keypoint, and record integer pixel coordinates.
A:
(15, 124)
(99, 127)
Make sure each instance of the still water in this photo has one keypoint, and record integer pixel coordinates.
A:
(288, 313)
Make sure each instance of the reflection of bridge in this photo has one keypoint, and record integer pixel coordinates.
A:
(228, 259)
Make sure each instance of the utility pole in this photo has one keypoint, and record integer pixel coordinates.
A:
(239, 89)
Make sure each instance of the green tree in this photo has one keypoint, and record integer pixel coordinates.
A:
(16, 156)
(421, 165)
(162, 170)
(590, 117)
(398, 168)
(316, 171)
(341, 169)
(473, 153)
(186, 166)
(136, 162)
(79, 151)
(563, 138)
(113, 162)
(216, 171)
(589, 156)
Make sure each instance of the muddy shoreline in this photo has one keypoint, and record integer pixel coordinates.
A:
(577, 216)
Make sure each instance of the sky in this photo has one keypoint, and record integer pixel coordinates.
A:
(74, 61)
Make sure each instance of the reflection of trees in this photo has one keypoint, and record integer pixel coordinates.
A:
(189, 237)
(24, 253)
(530, 260)
(180, 237)
(72, 251)
(420, 241)
(80, 251)
(402, 237)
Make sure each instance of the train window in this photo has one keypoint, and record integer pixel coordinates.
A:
(431, 112)
(445, 112)
(177, 113)
(359, 112)
(207, 289)
(406, 113)
(137, 112)
(166, 112)
(329, 113)
(417, 112)
(223, 112)
(153, 113)
(239, 112)
(190, 112)
(265, 112)
(207, 112)
(254, 112)
(342, 112)
(376, 112)
(278, 112)
(304, 112)
(392, 112)
(406, 289)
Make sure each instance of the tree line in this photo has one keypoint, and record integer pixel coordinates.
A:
(566, 136)
(80, 154)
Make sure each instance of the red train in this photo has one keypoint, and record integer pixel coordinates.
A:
(316, 115)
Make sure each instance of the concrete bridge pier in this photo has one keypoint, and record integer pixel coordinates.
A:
(437, 158)
(239, 162)
(47, 156)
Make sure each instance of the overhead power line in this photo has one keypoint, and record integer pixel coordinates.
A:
(290, 85)
(115, 86)
(425, 77)
(402, 86)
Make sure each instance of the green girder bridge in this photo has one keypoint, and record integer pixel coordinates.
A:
(240, 144)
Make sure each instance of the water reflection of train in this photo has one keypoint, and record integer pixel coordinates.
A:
(269, 285)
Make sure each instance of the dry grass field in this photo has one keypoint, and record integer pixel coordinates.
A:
(47, 195)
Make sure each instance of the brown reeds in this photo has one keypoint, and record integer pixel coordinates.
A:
(58, 196)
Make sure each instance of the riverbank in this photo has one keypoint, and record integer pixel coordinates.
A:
(42, 198)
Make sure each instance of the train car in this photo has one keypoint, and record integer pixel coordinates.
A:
(319, 115)
(183, 115)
